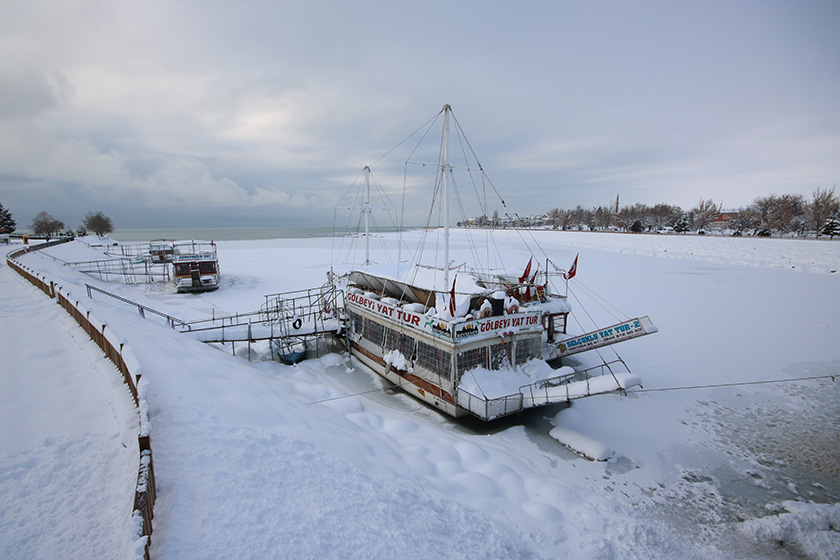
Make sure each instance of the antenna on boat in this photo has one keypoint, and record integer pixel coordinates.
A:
(366, 211)
(446, 110)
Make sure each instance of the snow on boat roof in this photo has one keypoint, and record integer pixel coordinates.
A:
(431, 278)
(415, 282)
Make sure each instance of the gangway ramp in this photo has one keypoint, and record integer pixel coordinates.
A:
(284, 318)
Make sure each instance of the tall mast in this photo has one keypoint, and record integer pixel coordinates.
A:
(366, 210)
(446, 111)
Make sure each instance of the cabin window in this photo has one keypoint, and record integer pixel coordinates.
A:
(182, 269)
(407, 345)
(374, 331)
(391, 339)
(471, 359)
(434, 359)
(500, 355)
(358, 323)
(396, 340)
(528, 349)
(207, 267)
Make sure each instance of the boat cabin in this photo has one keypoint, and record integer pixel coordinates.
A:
(464, 354)
(195, 266)
(162, 250)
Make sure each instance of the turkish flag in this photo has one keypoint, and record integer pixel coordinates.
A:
(527, 272)
(452, 298)
(573, 270)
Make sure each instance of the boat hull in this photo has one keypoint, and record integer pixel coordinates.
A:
(408, 382)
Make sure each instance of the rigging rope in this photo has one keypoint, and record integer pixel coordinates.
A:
(598, 299)
(735, 384)
(711, 386)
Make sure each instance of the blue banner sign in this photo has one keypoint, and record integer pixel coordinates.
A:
(604, 337)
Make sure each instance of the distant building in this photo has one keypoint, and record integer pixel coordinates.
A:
(723, 219)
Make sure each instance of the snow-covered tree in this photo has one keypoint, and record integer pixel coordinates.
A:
(744, 221)
(831, 227)
(703, 214)
(824, 204)
(7, 223)
(788, 213)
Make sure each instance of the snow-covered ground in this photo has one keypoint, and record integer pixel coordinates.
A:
(322, 459)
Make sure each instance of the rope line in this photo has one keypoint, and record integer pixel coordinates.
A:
(737, 384)
(714, 385)
(354, 395)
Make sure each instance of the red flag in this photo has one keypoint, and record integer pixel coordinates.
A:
(452, 298)
(573, 270)
(527, 272)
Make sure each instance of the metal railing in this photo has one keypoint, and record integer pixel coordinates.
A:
(142, 309)
(489, 409)
(129, 268)
(543, 391)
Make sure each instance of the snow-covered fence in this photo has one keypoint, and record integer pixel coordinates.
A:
(37, 280)
(116, 350)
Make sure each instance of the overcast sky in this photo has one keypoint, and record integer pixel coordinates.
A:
(176, 113)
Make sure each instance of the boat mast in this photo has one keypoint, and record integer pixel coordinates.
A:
(446, 110)
(366, 210)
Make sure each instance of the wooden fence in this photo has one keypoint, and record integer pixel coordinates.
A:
(123, 358)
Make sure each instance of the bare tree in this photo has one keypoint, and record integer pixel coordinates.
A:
(762, 211)
(602, 217)
(98, 223)
(555, 218)
(580, 217)
(788, 213)
(745, 220)
(44, 224)
(824, 205)
(660, 215)
(703, 214)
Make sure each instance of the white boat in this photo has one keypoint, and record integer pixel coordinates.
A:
(162, 250)
(195, 266)
(468, 341)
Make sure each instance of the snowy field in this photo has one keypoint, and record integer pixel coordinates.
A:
(322, 460)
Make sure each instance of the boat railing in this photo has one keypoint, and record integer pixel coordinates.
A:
(489, 409)
(129, 269)
(128, 250)
(215, 322)
(286, 313)
(545, 390)
(309, 304)
(539, 393)
(192, 249)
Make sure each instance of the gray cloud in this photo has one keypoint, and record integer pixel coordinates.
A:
(263, 113)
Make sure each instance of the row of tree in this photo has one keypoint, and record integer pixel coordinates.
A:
(44, 224)
(768, 215)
